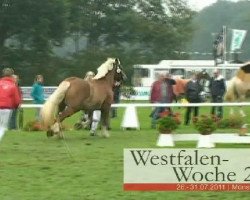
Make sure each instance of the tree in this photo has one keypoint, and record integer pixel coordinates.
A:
(146, 30)
(208, 23)
(33, 26)
(143, 31)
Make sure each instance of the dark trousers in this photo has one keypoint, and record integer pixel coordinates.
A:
(155, 115)
(188, 114)
(114, 110)
(13, 119)
(217, 110)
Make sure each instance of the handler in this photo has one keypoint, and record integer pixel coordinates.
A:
(10, 98)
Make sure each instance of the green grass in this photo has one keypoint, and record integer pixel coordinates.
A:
(83, 167)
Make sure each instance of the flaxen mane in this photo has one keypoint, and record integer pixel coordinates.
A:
(104, 68)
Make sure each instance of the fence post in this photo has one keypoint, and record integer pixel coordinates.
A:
(20, 121)
(130, 118)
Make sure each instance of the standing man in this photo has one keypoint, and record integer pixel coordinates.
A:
(116, 99)
(13, 118)
(161, 92)
(37, 93)
(217, 88)
(10, 98)
(193, 90)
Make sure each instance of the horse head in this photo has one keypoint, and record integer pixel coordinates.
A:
(203, 75)
(111, 65)
(119, 75)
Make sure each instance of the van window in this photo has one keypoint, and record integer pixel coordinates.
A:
(139, 73)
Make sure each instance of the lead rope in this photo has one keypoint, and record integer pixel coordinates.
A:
(69, 153)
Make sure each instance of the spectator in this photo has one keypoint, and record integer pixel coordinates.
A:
(10, 98)
(96, 116)
(13, 118)
(117, 94)
(217, 88)
(161, 92)
(37, 93)
(89, 75)
(193, 90)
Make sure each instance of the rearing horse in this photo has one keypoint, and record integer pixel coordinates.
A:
(75, 94)
(239, 87)
(180, 87)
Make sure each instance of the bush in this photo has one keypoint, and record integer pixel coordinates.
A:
(205, 124)
(233, 121)
(167, 124)
(175, 116)
(37, 126)
(33, 126)
(127, 91)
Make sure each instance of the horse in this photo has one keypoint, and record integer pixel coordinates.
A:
(179, 88)
(238, 87)
(74, 94)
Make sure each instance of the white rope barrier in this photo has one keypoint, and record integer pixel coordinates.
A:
(158, 105)
(179, 104)
(31, 106)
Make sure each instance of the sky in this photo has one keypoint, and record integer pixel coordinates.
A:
(200, 4)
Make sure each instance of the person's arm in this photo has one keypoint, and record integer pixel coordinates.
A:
(34, 93)
(186, 88)
(152, 93)
(223, 87)
(200, 88)
(40, 95)
(17, 97)
(172, 81)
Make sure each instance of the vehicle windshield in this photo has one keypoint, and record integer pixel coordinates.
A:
(139, 73)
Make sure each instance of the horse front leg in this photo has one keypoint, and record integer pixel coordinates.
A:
(87, 119)
(105, 122)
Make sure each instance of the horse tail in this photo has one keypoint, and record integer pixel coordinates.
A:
(50, 107)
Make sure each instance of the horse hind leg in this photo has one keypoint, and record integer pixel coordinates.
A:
(56, 128)
(83, 122)
(231, 112)
(242, 112)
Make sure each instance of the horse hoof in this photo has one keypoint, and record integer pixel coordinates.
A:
(60, 136)
(50, 133)
(78, 126)
(92, 133)
(106, 135)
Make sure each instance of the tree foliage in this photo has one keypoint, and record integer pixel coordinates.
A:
(143, 31)
(209, 22)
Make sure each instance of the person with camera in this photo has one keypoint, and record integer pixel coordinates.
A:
(193, 91)
(217, 88)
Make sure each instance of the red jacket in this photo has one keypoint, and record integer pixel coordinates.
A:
(10, 96)
(156, 91)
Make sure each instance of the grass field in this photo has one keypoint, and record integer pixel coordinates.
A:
(84, 167)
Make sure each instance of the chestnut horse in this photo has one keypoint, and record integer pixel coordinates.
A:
(179, 88)
(239, 86)
(74, 94)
